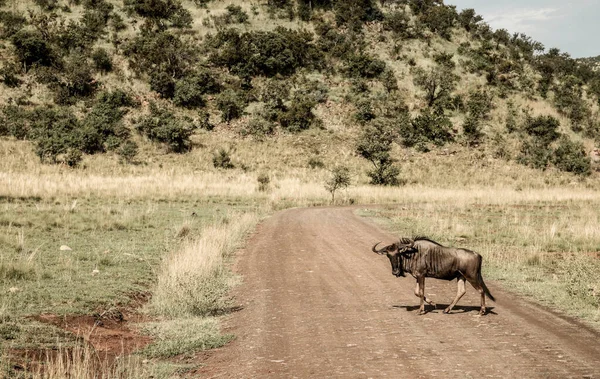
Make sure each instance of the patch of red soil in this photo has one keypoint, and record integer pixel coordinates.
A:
(107, 332)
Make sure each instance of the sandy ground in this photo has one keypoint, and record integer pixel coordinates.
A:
(316, 302)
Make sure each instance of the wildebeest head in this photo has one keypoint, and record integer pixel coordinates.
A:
(394, 253)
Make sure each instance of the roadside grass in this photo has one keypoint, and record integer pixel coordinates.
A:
(546, 250)
(66, 256)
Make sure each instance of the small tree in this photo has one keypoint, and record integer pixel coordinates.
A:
(339, 179)
(375, 145)
(438, 83)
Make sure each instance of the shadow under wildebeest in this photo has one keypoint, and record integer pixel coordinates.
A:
(441, 307)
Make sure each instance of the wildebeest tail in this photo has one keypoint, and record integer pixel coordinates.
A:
(482, 283)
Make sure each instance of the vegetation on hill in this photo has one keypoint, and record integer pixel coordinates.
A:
(93, 76)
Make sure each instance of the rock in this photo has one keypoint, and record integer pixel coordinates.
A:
(65, 248)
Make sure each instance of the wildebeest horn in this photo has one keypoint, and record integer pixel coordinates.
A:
(374, 247)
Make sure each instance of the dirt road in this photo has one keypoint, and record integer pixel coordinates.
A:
(318, 303)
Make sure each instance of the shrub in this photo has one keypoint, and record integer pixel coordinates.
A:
(258, 128)
(55, 131)
(189, 90)
(76, 82)
(339, 179)
(13, 122)
(570, 156)
(231, 105)
(364, 111)
(535, 153)
(9, 76)
(429, 126)
(163, 127)
(263, 182)
(399, 23)
(128, 151)
(375, 145)
(236, 14)
(160, 51)
(362, 65)
(11, 23)
(31, 48)
(440, 19)
(222, 159)
(203, 121)
(163, 84)
(102, 61)
(542, 128)
(281, 51)
(472, 129)
(315, 162)
(102, 128)
(156, 12)
(299, 115)
(354, 12)
(438, 83)
(47, 5)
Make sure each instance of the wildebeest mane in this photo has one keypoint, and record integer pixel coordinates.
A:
(423, 238)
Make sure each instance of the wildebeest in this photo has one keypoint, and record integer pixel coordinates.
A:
(424, 258)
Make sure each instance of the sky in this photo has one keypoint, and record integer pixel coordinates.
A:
(572, 26)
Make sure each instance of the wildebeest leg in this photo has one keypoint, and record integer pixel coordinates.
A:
(460, 291)
(430, 302)
(478, 287)
(421, 288)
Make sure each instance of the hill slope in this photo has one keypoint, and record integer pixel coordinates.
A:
(286, 86)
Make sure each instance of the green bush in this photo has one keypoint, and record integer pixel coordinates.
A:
(570, 156)
(102, 128)
(162, 83)
(102, 61)
(13, 122)
(11, 23)
(128, 151)
(31, 48)
(430, 126)
(339, 179)
(10, 76)
(222, 159)
(235, 14)
(354, 12)
(231, 105)
(162, 52)
(157, 12)
(543, 128)
(190, 89)
(55, 131)
(438, 83)
(259, 128)
(535, 153)
(440, 19)
(375, 144)
(163, 127)
(47, 5)
(281, 51)
(299, 115)
(77, 81)
(364, 111)
(362, 65)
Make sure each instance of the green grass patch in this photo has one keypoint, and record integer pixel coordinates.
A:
(75, 256)
(183, 336)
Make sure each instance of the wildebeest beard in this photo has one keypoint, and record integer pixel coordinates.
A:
(400, 267)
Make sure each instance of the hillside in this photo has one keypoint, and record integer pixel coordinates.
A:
(292, 89)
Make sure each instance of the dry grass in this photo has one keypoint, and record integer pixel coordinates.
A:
(194, 280)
